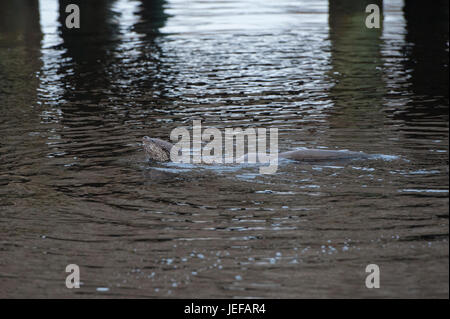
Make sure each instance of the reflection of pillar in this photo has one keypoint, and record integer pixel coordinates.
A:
(95, 18)
(151, 19)
(152, 16)
(427, 46)
(20, 21)
(90, 47)
(356, 60)
(20, 36)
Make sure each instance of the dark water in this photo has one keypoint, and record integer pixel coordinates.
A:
(74, 187)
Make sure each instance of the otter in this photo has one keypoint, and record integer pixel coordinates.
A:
(159, 151)
(156, 149)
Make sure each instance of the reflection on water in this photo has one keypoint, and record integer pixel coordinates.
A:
(19, 55)
(74, 187)
(357, 74)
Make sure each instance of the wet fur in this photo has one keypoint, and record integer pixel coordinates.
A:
(156, 149)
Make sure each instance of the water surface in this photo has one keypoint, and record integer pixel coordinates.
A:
(75, 188)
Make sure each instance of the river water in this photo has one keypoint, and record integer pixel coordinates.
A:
(75, 188)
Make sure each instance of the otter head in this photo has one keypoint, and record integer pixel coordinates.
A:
(156, 149)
